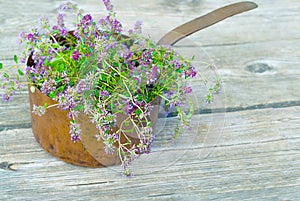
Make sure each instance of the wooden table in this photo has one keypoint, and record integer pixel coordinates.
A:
(243, 147)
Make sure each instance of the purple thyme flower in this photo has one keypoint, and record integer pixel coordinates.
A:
(48, 86)
(187, 89)
(73, 114)
(116, 26)
(153, 75)
(10, 88)
(128, 108)
(30, 37)
(147, 138)
(111, 23)
(148, 108)
(6, 97)
(138, 26)
(66, 100)
(63, 31)
(109, 148)
(22, 37)
(81, 86)
(55, 27)
(109, 141)
(75, 131)
(176, 64)
(38, 110)
(65, 78)
(147, 56)
(87, 19)
(51, 51)
(68, 6)
(108, 5)
(110, 46)
(104, 93)
(103, 21)
(192, 72)
(76, 55)
(60, 20)
(174, 103)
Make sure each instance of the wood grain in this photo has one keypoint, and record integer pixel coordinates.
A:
(243, 147)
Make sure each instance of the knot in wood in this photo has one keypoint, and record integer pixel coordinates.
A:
(259, 68)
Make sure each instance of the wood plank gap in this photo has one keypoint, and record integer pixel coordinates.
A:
(10, 166)
(276, 105)
(15, 126)
(160, 195)
(92, 183)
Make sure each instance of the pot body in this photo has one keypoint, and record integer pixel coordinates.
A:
(52, 132)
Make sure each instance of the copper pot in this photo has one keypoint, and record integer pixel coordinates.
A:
(52, 132)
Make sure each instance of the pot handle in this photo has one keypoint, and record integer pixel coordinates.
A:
(204, 21)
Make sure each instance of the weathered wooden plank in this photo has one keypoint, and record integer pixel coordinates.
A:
(254, 156)
(252, 160)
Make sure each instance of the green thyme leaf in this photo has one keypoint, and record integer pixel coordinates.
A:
(20, 72)
(79, 107)
(52, 94)
(5, 75)
(16, 59)
(12, 84)
(138, 112)
(149, 123)
(32, 89)
(1, 66)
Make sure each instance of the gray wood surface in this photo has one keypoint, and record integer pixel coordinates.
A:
(244, 147)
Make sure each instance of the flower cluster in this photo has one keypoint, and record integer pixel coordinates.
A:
(102, 70)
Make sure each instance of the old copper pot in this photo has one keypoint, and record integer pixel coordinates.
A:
(52, 132)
